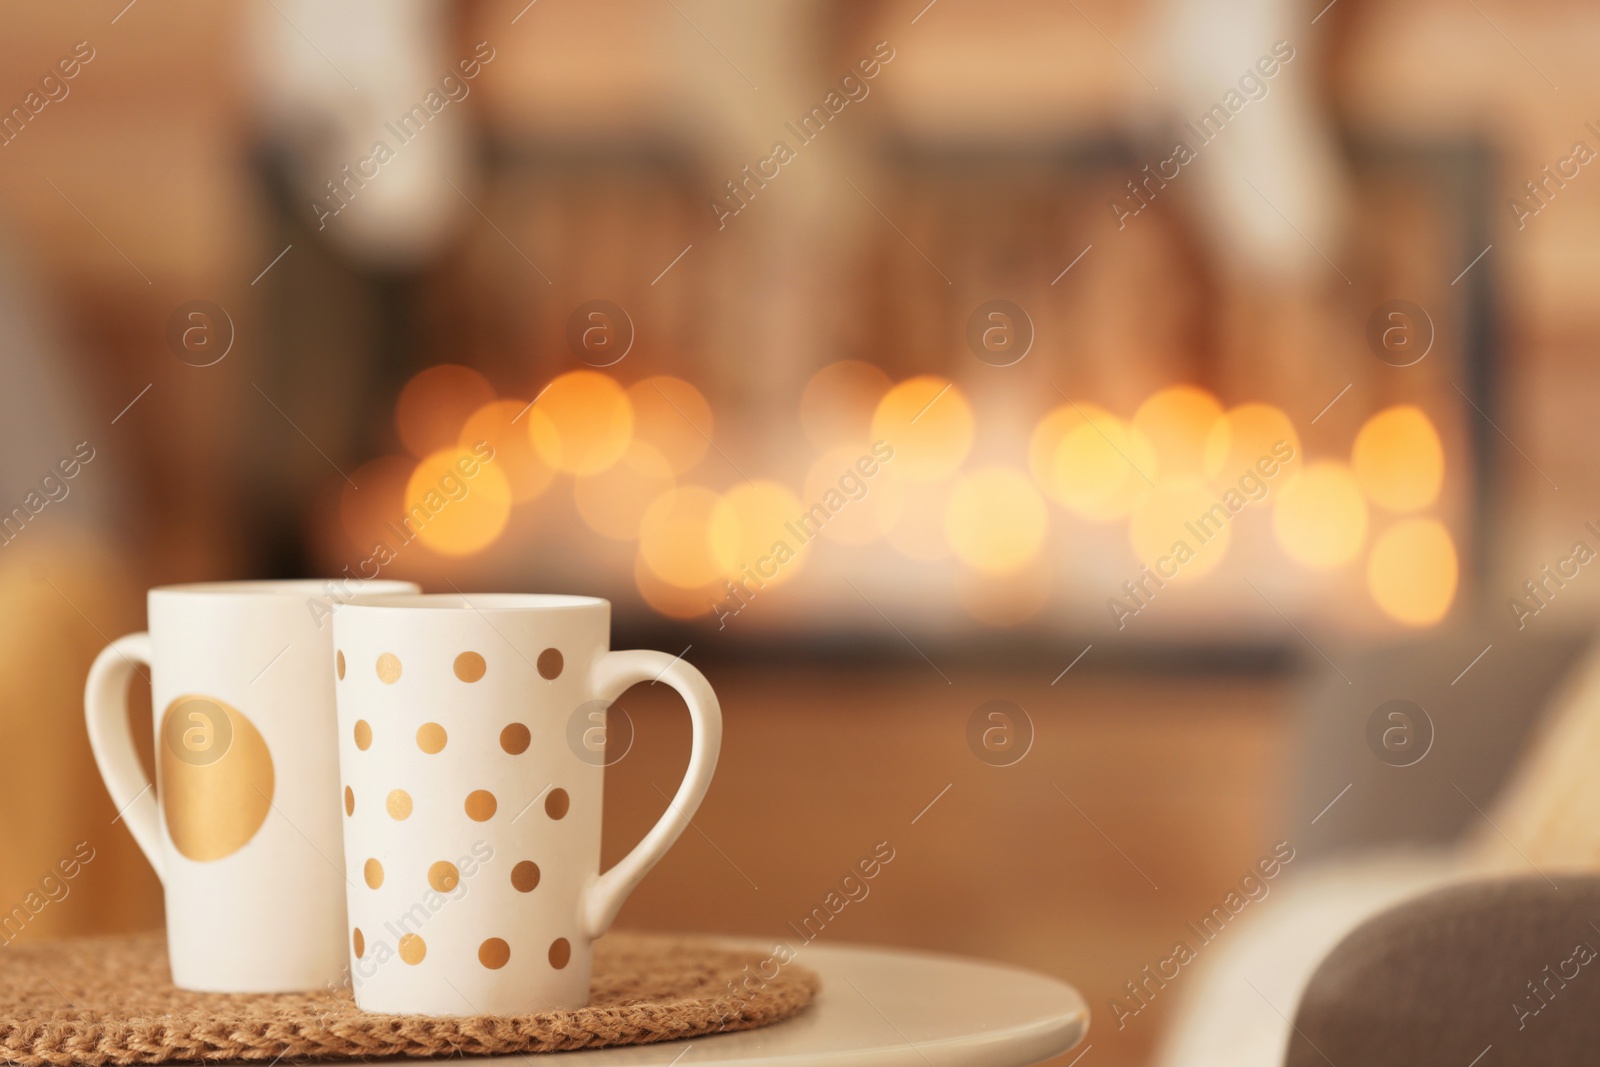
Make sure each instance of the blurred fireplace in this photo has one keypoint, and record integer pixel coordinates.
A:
(935, 230)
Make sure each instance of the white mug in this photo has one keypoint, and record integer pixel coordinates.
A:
(243, 826)
(472, 821)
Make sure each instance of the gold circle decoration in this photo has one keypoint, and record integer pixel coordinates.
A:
(399, 805)
(470, 666)
(213, 804)
(560, 953)
(557, 804)
(525, 876)
(413, 949)
(373, 873)
(388, 668)
(494, 953)
(359, 942)
(339, 657)
(481, 805)
(550, 663)
(431, 738)
(349, 801)
(363, 734)
(444, 876)
(515, 739)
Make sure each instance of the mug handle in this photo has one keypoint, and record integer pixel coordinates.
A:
(613, 673)
(105, 712)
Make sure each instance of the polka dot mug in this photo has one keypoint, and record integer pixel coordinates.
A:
(471, 822)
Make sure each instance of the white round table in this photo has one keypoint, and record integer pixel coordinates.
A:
(888, 1008)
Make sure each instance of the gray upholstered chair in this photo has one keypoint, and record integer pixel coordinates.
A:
(1490, 972)
(1430, 947)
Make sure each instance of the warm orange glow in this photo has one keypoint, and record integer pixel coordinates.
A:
(1181, 530)
(674, 417)
(882, 494)
(456, 503)
(674, 537)
(1320, 516)
(1102, 467)
(995, 520)
(1251, 439)
(1176, 421)
(613, 501)
(1005, 601)
(1047, 436)
(436, 403)
(1399, 460)
(377, 499)
(587, 422)
(748, 531)
(1413, 570)
(928, 423)
(671, 600)
(839, 401)
(919, 531)
(514, 453)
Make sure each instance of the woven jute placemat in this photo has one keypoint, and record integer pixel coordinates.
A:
(111, 1001)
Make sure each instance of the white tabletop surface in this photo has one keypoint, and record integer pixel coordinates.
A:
(888, 1008)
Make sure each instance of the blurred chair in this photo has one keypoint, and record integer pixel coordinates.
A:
(1441, 980)
(1248, 987)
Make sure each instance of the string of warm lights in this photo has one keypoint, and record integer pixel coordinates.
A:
(1175, 473)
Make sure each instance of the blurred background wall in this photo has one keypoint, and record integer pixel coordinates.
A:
(979, 243)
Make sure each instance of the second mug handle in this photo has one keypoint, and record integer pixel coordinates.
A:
(614, 672)
(105, 711)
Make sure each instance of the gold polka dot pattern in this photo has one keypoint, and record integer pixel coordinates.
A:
(550, 663)
(444, 876)
(412, 949)
(470, 666)
(557, 803)
(431, 738)
(481, 805)
(525, 876)
(494, 953)
(515, 739)
(399, 805)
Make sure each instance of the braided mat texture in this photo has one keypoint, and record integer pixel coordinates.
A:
(111, 1001)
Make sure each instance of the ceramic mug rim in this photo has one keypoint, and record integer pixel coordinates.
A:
(296, 588)
(474, 603)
